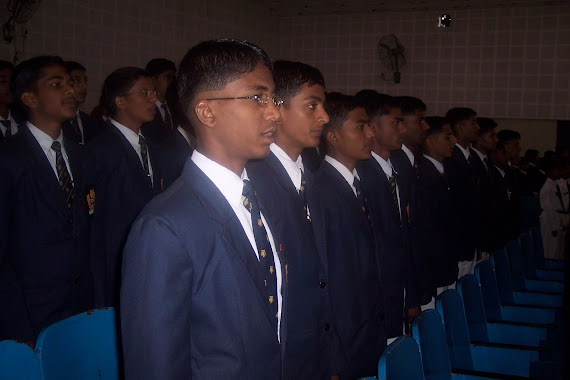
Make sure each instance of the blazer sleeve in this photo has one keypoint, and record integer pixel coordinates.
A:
(156, 298)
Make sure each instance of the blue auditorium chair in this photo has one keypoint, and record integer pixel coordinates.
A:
(428, 331)
(80, 347)
(524, 275)
(496, 310)
(480, 330)
(18, 362)
(487, 357)
(509, 295)
(401, 361)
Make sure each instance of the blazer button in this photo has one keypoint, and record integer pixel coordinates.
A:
(323, 284)
(327, 327)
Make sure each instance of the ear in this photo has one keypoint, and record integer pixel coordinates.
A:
(120, 102)
(205, 114)
(332, 137)
(29, 99)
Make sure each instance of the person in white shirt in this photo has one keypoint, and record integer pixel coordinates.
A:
(554, 216)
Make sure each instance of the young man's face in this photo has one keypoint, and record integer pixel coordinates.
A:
(137, 106)
(488, 140)
(415, 126)
(355, 136)
(302, 118)
(389, 129)
(470, 129)
(513, 148)
(5, 80)
(52, 97)
(242, 126)
(163, 80)
(79, 78)
(441, 145)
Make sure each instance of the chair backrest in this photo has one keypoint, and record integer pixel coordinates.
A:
(516, 264)
(485, 273)
(450, 307)
(401, 361)
(80, 347)
(18, 361)
(538, 247)
(500, 262)
(527, 248)
(428, 331)
(470, 292)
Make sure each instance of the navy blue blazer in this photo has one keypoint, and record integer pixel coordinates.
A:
(354, 279)
(438, 211)
(44, 260)
(501, 204)
(308, 341)
(409, 192)
(121, 192)
(192, 296)
(311, 159)
(398, 272)
(463, 187)
(157, 130)
(91, 128)
(484, 216)
(173, 153)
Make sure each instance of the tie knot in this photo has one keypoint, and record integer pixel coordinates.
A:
(247, 188)
(163, 106)
(56, 146)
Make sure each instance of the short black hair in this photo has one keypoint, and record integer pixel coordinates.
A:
(486, 125)
(28, 73)
(6, 65)
(435, 124)
(338, 106)
(119, 82)
(73, 66)
(457, 115)
(157, 66)
(211, 65)
(409, 105)
(289, 78)
(507, 135)
(375, 103)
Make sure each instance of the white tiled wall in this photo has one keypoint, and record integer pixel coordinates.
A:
(504, 63)
(107, 34)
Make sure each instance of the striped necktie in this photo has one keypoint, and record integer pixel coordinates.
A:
(263, 247)
(167, 118)
(8, 126)
(394, 190)
(144, 157)
(65, 181)
(303, 195)
(361, 197)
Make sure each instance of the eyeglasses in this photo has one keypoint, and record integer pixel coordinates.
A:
(261, 99)
(146, 92)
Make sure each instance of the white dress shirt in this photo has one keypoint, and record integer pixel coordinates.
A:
(13, 125)
(231, 187)
(482, 157)
(45, 142)
(464, 151)
(408, 153)
(438, 165)
(343, 170)
(389, 171)
(293, 168)
(133, 139)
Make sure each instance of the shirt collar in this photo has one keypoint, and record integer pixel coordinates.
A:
(408, 153)
(159, 103)
(464, 151)
(343, 170)
(129, 134)
(9, 117)
(228, 182)
(43, 138)
(184, 134)
(481, 155)
(386, 165)
(500, 171)
(438, 165)
(293, 168)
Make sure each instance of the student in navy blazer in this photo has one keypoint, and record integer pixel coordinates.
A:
(347, 236)
(438, 209)
(463, 187)
(44, 244)
(282, 181)
(127, 174)
(174, 152)
(390, 216)
(196, 294)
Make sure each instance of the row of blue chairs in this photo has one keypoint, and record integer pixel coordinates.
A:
(80, 347)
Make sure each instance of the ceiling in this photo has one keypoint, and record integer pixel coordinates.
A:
(284, 8)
